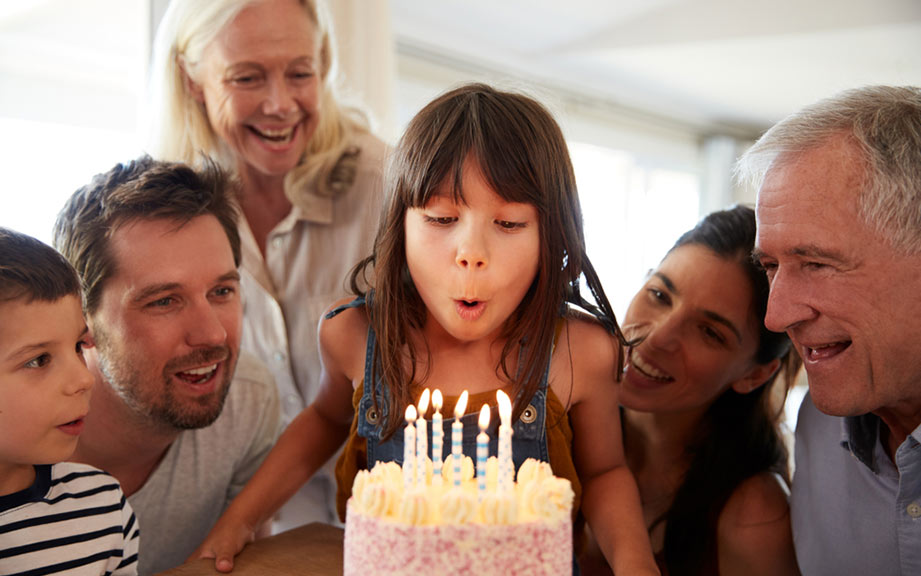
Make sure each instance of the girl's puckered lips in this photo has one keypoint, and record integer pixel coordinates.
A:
(470, 309)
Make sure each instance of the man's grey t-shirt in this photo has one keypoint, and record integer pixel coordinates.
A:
(204, 469)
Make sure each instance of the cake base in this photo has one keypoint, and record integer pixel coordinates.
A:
(383, 547)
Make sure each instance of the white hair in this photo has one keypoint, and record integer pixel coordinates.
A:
(884, 124)
(179, 127)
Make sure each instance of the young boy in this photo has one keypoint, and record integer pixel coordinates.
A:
(54, 516)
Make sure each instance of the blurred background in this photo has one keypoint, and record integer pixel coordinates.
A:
(657, 97)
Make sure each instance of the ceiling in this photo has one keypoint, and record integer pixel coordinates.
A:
(736, 65)
(733, 66)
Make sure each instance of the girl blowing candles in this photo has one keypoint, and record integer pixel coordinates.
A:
(474, 266)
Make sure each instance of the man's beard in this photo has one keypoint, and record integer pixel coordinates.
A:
(158, 403)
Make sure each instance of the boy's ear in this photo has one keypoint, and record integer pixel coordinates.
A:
(191, 86)
(756, 377)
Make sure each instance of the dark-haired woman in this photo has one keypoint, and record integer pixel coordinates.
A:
(700, 421)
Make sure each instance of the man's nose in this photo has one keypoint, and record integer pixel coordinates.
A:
(787, 304)
(204, 326)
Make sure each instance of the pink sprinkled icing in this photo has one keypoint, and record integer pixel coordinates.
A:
(384, 547)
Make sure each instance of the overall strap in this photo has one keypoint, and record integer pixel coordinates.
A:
(358, 302)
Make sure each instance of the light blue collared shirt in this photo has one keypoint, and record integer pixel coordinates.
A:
(854, 511)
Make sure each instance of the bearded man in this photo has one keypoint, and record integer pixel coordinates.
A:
(178, 416)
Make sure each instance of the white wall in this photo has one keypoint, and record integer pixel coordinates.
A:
(71, 79)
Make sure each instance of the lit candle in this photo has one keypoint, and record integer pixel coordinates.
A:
(409, 448)
(422, 439)
(506, 468)
(438, 435)
(482, 449)
(457, 437)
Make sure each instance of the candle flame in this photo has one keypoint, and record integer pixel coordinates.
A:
(410, 413)
(424, 402)
(461, 406)
(437, 400)
(505, 407)
(484, 417)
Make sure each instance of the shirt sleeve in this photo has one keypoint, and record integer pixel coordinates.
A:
(262, 407)
(127, 564)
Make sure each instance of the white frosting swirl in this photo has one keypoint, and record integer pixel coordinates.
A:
(537, 496)
(532, 470)
(389, 472)
(496, 508)
(358, 486)
(554, 499)
(467, 469)
(492, 473)
(379, 498)
(415, 507)
(458, 506)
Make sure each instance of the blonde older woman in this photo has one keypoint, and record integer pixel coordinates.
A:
(251, 83)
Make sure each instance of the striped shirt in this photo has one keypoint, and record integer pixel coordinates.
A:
(73, 520)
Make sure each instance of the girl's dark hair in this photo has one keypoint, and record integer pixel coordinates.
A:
(740, 435)
(523, 156)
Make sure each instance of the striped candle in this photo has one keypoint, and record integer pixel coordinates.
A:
(457, 437)
(506, 468)
(482, 450)
(409, 448)
(438, 438)
(422, 439)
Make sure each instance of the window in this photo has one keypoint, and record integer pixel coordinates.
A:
(632, 215)
(72, 74)
(48, 162)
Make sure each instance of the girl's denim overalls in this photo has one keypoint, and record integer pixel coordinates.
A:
(529, 432)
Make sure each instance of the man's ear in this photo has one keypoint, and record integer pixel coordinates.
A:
(756, 377)
(90, 340)
(191, 86)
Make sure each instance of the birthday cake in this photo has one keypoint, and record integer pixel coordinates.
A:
(440, 526)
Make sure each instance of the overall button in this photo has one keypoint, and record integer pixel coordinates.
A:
(914, 510)
(529, 414)
(372, 416)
